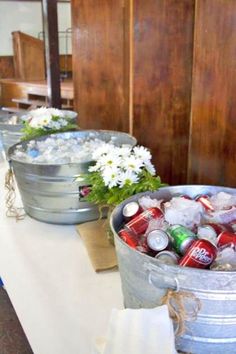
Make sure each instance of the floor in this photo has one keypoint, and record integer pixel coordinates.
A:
(12, 337)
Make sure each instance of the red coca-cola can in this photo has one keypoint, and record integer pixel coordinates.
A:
(220, 228)
(226, 237)
(199, 255)
(129, 237)
(131, 210)
(139, 224)
(204, 200)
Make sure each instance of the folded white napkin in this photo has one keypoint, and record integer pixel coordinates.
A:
(140, 331)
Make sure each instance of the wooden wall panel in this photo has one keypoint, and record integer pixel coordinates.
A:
(6, 67)
(100, 62)
(29, 61)
(212, 158)
(10, 89)
(163, 45)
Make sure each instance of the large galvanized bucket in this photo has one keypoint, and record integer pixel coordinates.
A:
(11, 134)
(145, 280)
(50, 192)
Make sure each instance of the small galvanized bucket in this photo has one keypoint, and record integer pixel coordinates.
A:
(145, 280)
(50, 192)
(10, 128)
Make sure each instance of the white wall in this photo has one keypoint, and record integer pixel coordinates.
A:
(64, 22)
(27, 17)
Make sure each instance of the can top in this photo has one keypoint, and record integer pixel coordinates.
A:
(168, 257)
(157, 240)
(130, 209)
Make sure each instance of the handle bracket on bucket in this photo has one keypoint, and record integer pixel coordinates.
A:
(160, 279)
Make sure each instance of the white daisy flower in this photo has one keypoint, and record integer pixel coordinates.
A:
(55, 112)
(150, 168)
(132, 163)
(142, 153)
(109, 160)
(37, 122)
(124, 151)
(102, 150)
(94, 168)
(127, 177)
(111, 177)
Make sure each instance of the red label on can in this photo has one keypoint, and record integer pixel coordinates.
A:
(200, 254)
(219, 227)
(129, 237)
(226, 237)
(139, 224)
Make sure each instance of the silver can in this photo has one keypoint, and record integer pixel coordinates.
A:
(157, 240)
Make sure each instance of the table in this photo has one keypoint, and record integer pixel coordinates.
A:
(62, 304)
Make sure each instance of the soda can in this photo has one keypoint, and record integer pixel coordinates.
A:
(139, 224)
(157, 240)
(168, 257)
(181, 237)
(220, 227)
(226, 237)
(204, 200)
(129, 237)
(199, 255)
(131, 210)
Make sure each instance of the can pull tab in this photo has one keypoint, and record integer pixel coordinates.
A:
(158, 277)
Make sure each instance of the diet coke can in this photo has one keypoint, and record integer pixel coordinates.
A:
(226, 237)
(131, 210)
(139, 224)
(199, 255)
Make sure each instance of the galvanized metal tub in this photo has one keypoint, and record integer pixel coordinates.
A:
(11, 134)
(145, 280)
(50, 192)
(10, 127)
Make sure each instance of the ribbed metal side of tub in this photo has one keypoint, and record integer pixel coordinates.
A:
(145, 280)
(51, 193)
(10, 137)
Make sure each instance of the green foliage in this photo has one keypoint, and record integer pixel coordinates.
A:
(31, 133)
(101, 194)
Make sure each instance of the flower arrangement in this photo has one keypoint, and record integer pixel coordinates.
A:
(120, 172)
(43, 121)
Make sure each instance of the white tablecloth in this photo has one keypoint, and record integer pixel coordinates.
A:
(62, 304)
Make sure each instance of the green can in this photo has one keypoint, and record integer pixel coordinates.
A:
(181, 237)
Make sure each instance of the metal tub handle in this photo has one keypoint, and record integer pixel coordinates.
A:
(158, 277)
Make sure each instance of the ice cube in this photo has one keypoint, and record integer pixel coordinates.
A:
(183, 212)
(226, 258)
(221, 216)
(147, 202)
(223, 200)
